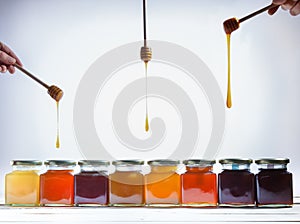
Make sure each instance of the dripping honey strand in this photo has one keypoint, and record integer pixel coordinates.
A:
(57, 128)
(228, 101)
(146, 83)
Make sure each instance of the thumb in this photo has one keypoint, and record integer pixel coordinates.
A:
(272, 10)
(6, 59)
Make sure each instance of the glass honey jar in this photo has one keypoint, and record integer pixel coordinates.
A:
(126, 184)
(236, 183)
(57, 183)
(163, 186)
(274, 185)
(199, 184)
(91, 183)
(22, 184)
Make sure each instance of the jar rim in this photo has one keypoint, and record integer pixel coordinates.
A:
(127, 162)
(272, 161)
(164, 162)
(60, 163)
(238, 161)
(93, 163)
(198, 162)
(26, 163)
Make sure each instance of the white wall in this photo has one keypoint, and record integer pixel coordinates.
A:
(59, 39)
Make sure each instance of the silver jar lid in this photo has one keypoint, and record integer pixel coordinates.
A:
(272, 161)
(164, 162)
(93, 163)
(235, 164)
(57, 163)
(26, 163)
(198, 162)
(134, 162)
(236, 161)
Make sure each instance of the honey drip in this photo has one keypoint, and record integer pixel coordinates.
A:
(57, 123)
(146, 83)
(228, 101)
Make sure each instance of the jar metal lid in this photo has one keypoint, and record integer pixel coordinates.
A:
(164, 162)
(26, 163)
(93, 163)
(60, 163)
(198, 162)
(235, 161)
(128, 162)
(283, 161)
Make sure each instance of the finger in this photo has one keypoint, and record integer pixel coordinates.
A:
(3, 68)
(295, 10)
(7, 50)
(11, 69)
(278, 2)
(288, 4)
(6, 59)
(272, 11)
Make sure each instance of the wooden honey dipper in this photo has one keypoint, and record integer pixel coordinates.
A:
(233, 24)
(55, 92)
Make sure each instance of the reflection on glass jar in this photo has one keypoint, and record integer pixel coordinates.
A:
(199, 184)
(57, 184)
(274, 187)
(163, 188)
(91, 184)
(127, 183)
(236, 183)
(22, 184)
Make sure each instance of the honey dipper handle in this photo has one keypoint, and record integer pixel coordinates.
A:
(31, 76)
(256, 13)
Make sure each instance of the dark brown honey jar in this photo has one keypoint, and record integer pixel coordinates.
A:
(274, 187)
(236, 183)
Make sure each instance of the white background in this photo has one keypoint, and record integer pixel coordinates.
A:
(59, 39)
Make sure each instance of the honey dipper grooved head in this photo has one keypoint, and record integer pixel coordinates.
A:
(55, 92)
(146, 54)
(231, 25)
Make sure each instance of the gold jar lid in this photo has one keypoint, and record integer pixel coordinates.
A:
(198, 162)
(58, 163)
(134, 162)
(164, 162)
(93, 163)
(26, 163)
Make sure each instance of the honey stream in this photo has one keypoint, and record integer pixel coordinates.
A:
(146, 83)
(57, 127)
(228, 101)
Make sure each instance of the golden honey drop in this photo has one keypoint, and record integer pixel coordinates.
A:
(228, 101)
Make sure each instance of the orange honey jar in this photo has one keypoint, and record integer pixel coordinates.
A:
(199, 184)
(57, 184)
(126, 184)
(163, 188)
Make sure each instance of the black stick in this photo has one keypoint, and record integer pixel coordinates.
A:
(256, 13)
(144, 19)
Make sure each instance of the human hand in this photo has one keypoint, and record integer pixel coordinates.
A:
(292, 5)
(7, 59)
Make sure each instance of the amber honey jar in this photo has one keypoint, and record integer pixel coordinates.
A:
(22, 184)
(199, 184)
(126, 184)
(274, 186)
(91, 183)
(236, 183)
(57, 183)
(163, 188)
